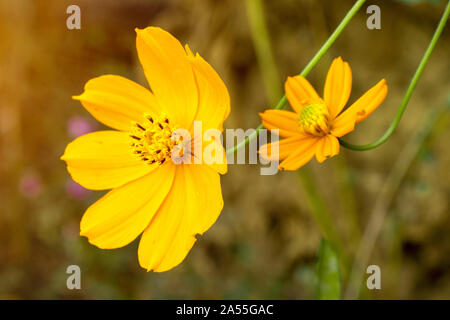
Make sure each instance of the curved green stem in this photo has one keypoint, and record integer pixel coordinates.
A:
(388, 133)
(280, 105)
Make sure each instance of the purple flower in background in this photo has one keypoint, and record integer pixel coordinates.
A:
(78, 126)
(75, 191)
(30, 185)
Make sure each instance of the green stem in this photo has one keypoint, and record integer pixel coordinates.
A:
(349, 205)
(280, 105)
(388, 133)
(322, 217)
(261, 40)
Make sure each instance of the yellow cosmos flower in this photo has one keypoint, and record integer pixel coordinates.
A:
(168, 204)
(316, 124)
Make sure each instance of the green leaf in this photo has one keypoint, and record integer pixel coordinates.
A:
(328, 276)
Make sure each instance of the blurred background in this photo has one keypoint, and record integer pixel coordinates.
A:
(265, 242)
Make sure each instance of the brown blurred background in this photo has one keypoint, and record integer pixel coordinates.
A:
(265, 242)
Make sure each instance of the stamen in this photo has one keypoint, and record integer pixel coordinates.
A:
(314, 119)
(155, 139)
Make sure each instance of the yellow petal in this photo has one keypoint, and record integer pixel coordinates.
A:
(368, 103)
(338, 86)
(285, 147)
(300, 93)
(191, 207)
(285, 121)
(211, 153)
(117, 102)
(204, 197)
(304, 153)
(342, 126)
(213, 97)
(103, 160)
(169, 74)
(327, 147)
(221, 165)
(123, 213)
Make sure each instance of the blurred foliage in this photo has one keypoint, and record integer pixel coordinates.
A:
(265, 242)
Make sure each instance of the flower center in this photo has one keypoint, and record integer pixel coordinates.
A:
(314, 119)
(153, 141)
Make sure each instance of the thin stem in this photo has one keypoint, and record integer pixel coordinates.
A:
(388, 133)
(349, 205)
(322, 217)
(315, 201)
(280, 105)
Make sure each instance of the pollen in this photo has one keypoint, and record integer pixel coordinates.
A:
(154, 140)
(314, 119)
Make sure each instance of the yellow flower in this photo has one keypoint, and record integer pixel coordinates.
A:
(168, 204)
(316, 124)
